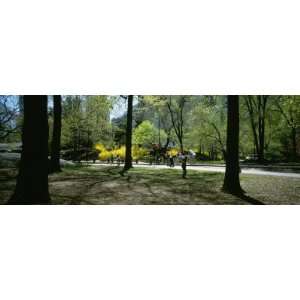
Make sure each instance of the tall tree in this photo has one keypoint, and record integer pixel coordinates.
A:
(32, 180)
(232, 180)
(128, 154)
(289, 109)
(257, 108)
(209, 126)
(85, 122)
(146, 134)
(9, 112)
(56, 138)
(176, 112)
(161, 117)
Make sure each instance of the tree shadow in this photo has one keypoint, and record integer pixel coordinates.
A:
(249, 199)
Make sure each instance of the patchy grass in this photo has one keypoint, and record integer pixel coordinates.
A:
(104, 185)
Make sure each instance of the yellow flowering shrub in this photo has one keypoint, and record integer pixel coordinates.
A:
(172, 152)
(119, 152)
(100, 147)
(105, 154)
(138, 152)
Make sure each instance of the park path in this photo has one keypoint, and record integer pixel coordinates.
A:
(218, 169)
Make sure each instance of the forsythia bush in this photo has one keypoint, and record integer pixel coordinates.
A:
(105, 154)
(100, 147)
(119, 152)
(172, 152)
(138, 152)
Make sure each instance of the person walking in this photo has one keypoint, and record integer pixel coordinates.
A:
(183, 165)
(172, 161)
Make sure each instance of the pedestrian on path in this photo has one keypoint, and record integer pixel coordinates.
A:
(183, 165)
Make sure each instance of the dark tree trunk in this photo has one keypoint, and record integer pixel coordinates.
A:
(181, 145)
(32, 181)
(159, 141)
(224, 154)
(257, 111)
(55, 144)
(177, 120)
(232, 180)
(261, 128)
(294, 143)
(128, 154)
(165, 147)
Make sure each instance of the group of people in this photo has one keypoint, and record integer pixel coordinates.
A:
(183, 157)
(112, 159)
(169, 160)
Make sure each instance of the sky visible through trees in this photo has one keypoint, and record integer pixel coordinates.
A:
(157, 130)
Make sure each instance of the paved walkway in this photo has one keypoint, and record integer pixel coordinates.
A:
(218, 169)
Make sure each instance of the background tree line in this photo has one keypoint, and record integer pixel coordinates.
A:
(269, 125)
(227, 127)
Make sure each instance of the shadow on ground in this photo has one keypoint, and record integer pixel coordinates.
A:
(104, 185)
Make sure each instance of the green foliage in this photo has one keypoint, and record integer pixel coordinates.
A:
(201, 123)
(195, 122)
(208, 125)
(86, 120)
(146, 134)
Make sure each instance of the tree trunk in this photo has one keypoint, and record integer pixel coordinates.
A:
(32, 181)
(159, 142)
(55, 144)
(128, 154)
(257, 112)
(181, 145)
(167, 143)
(232, 180)
(255, 137)
(224, 154)
(294, 143)
(262, 101)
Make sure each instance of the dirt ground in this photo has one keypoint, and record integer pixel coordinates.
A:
(104, 185)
